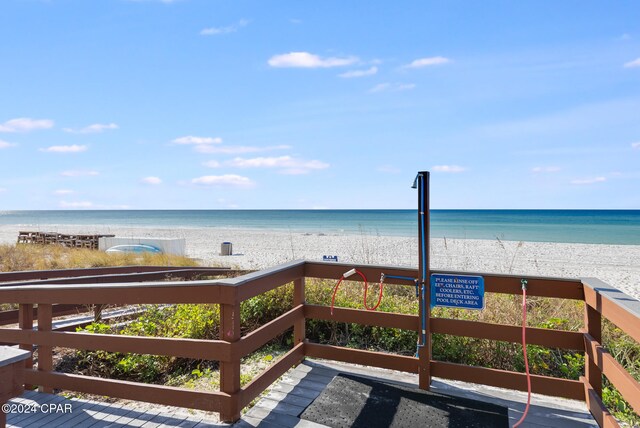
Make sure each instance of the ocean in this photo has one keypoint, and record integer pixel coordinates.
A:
(574, 226)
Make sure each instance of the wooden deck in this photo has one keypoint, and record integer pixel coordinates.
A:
(42, 300)
(280, 407)
(299, 387)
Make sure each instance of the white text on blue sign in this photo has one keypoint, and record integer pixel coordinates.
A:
(457, 291)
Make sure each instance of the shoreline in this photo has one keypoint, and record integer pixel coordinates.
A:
(617, 265)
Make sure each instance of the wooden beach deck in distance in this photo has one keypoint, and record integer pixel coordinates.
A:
(71, 241)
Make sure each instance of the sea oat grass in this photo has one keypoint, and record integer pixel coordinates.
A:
(45, 257)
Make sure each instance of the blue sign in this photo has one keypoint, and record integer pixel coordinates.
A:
(457, 291)
(329, 258)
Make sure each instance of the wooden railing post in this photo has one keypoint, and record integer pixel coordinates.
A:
(299, 334)
(230, 370)
(25, 322)
(593, 325)
(45, 353)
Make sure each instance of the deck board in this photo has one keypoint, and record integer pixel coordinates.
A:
(309, 379)
(281, 405)
(86, 413)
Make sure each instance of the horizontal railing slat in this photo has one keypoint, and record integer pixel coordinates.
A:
(265, 333)
(256, 283)
(494, 283)
(331, 270)
(507, 379)
(359, 316)
(541, 287)
(70, 273)
(619, 377)
(596, 407)
(359, 356)
(174, 347)
(185, 273)
(571, 340)
(127, 293)
(270, 375)
(158, 394)
(11, 316)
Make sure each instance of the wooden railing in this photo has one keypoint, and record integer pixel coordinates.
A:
(102, 275)
(600, 301)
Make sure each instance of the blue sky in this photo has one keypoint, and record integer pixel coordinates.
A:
(252, 104)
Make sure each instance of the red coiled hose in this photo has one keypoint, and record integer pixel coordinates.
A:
(366, 289)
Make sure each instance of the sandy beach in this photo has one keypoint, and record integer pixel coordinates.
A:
(618, 265)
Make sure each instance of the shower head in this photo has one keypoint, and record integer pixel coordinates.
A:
(415, 182)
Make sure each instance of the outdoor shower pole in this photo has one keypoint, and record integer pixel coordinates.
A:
(424, 348)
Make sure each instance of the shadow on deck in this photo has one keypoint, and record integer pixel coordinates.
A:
(34, 409)
(281, 407)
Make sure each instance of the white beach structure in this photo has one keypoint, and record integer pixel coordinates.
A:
(175, 246)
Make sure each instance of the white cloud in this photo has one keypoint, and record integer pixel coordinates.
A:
(539, 169)
(307, 60)
(260, 162)
(79, 173)
(449, 168)
(213, 31)
(152, 180)
(62, 192)
(2, 190)
(96, 128)
(231, 180)
(287, 164)
(589, 180)
(382, 87)
(633, 64)
(295, 21)
(190, 139)
(25, 124)
(211, 164)
(83, 204)
(427, 62)
(74, 148)
(237, 150)
(636, 145)
(6, 144)
(359, 73)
